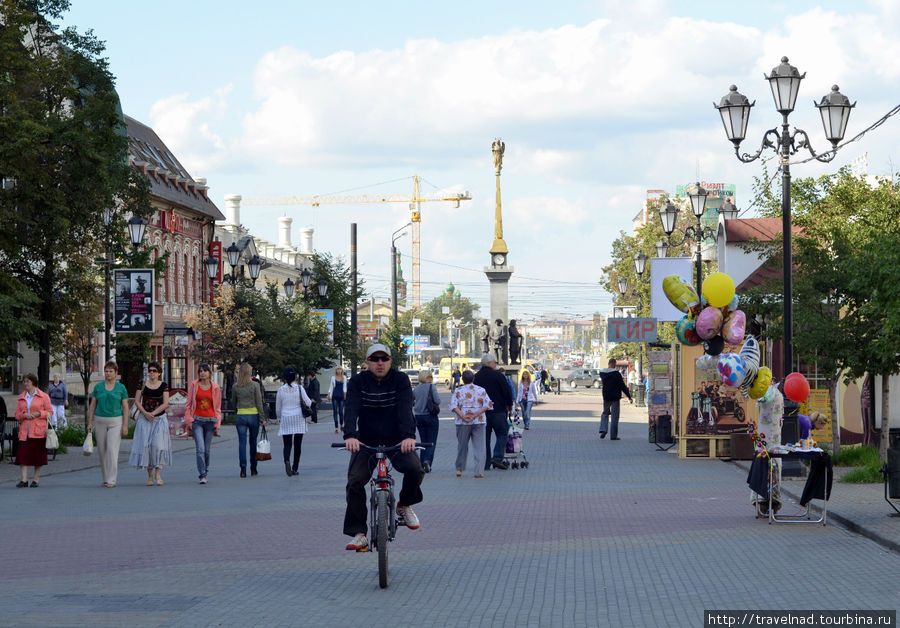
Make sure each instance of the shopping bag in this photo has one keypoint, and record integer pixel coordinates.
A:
(514, 442)
(88, 448)
(52, 437)
(263, 446)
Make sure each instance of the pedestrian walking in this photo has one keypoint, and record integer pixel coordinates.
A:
(59, 400)
(426, 408)
(336, 395)
(313, 392)
(545, 380)
(247, 400)
(109, 406)
(151, 447)
(455, 379)
(525, 397)
(469, 403)
(498, 390)
(289, 404)
(33, 410)
(203, 416)
(613, 387)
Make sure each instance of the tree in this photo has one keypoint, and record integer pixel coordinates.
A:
(64, 157)
(227, 336)
(81, 340)
(287, 334)
(340, 299)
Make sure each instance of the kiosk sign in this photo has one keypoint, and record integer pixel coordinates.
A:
(631, 330)
(134, 300)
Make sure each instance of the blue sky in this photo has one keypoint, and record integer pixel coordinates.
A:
(596, 101)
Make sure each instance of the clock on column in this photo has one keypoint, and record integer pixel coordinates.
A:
(498, 259)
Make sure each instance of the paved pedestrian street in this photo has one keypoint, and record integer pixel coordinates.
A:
(594, 533)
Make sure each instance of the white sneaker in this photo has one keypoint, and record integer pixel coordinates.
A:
(407, 517)
(359, 543)
(202, 480)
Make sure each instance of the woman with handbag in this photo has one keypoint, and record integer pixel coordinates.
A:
(33, 410)
(59, 399)
(337, 391)
(203, 415)
(247, 400)
(152, 446)
(426, 406)
(109, 402)
(289, 408)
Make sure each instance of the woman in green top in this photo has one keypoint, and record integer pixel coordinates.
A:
(246, 398)
(109, 405)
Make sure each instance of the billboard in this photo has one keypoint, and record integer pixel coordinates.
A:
(133, 311)
(415, 348)
(661, 267)
(328, 315)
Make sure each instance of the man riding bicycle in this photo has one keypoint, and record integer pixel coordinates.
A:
(378, 411)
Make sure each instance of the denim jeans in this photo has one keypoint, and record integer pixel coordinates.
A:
(203, 434)
(496, 423)
(245, 423)
(337, 410)
(526, 411)
(609, 420)
(428, 432)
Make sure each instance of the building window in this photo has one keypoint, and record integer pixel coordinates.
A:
(176, 373)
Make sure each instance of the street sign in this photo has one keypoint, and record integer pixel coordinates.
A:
(631, 330)
(416, 322)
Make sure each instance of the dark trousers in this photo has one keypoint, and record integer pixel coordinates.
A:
(360, 470)
(496, 424)
(609, 420)
(296, 440)
(428, 432)
(314, 412)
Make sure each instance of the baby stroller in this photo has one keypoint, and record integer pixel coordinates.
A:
(515, 451)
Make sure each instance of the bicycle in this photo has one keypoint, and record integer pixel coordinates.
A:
(382, 504)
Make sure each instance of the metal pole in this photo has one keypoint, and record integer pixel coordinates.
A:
(699, 236)
(106, 321)
(393, 281)
(353, 327)
(786, 237)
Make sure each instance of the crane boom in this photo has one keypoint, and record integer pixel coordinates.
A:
(344, 199)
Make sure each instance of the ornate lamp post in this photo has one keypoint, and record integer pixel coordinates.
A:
(305, 281)
(136, 228)
(834, 108)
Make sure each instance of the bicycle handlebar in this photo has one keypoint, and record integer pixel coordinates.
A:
(386, 449)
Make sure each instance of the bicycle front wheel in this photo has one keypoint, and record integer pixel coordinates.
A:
(382, 522)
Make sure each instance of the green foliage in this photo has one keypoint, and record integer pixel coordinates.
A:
(226, 329)
(869, 474)
(286, 333)
(63, 145)
(342, 300)
(856, 456)
(71, 435)
(391, 338)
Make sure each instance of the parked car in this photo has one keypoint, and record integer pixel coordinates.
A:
(413, 375)
(584, 377)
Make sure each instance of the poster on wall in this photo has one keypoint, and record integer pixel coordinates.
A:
(714, 407)
(134, 300)
(328, 315)
(175, 413)
(818, 402)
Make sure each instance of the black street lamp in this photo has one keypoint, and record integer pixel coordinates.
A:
(834, 108)
(288, 288)
(306, 279)
(668, 215)
(136, 228)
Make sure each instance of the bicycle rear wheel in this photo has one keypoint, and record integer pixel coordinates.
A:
(381, 535)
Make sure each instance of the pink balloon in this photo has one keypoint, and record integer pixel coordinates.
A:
(733, 329)
(709, 322)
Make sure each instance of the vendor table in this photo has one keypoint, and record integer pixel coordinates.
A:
(818, 484)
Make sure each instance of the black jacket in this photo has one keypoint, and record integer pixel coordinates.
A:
(496, 386)
(379, 413)
(613, 385)
(313, 390)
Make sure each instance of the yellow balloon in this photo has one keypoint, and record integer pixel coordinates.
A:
(761, 384)
(680, 293)
(718, 289)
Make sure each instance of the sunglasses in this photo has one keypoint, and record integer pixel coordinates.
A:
(153, 370)
(379, 358)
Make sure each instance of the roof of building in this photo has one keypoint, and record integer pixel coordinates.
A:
(747, 229)
(168, 179)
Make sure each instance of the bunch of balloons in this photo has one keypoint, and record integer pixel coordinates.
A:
(714, 320)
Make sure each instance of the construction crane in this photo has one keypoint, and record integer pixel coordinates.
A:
(415, 217)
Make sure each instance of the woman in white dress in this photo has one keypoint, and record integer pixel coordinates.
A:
(291, 422)
(152, 447)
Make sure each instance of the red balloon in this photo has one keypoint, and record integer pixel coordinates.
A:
(796, 387)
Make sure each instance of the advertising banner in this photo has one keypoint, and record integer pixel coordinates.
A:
(415, 348)
(367, 329)
(215, 250)
(661, 267)
(134, 300)
(631, 330)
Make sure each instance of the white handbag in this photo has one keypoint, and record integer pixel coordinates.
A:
(88, 448)
(263, 446)
(52, 441)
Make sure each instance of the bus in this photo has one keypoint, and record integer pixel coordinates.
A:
(445, 372)
(433, 355)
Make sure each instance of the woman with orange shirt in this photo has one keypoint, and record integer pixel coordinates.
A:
(33, 409)
(203, 415)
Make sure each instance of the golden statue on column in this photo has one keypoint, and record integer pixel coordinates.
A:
(498, 147)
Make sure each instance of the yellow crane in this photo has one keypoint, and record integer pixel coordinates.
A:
(343, 199)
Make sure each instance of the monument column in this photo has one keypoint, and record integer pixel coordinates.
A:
(498, 273)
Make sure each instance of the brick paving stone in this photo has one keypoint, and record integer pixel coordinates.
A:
(593, 533)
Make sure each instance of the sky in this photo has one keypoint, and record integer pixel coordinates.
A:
(597, 102)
